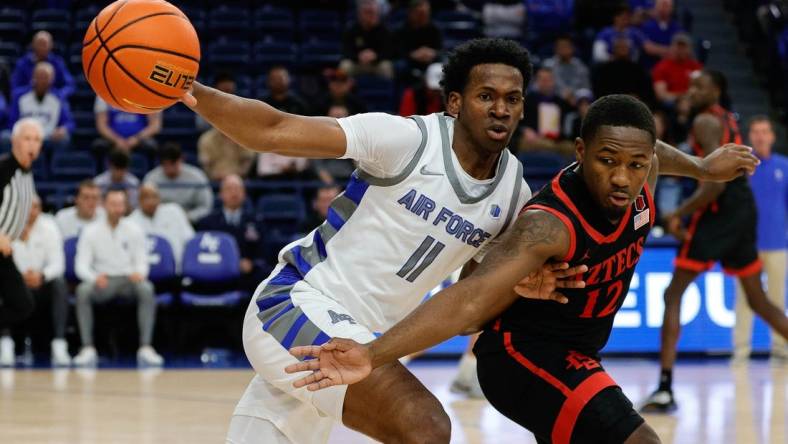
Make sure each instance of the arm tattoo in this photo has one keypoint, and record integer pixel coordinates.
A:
(531, 229)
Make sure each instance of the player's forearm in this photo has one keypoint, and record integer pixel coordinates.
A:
(706, 193)
(674, 162)
(247, 122)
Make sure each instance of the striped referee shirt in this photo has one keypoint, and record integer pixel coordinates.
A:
(16, 197)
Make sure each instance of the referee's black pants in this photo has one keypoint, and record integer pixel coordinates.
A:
(16, 302)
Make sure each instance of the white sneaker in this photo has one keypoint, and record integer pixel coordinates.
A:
(147, 356)
(7, 354)
(86, 357)
(60, 356)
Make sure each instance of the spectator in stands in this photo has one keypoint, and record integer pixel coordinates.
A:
(504, 18)
(544, 113)
(38, 255)
(44, 105)
(280, 96)
(621, 29)
(420, 41)
(220, 156)
(366, 44)
(180, 183)
(672, 74)
(71, 220)
(583, 99)
(320, 204)
(111, 262)
(659, 31)
(124, 131)
(681, 119)
(41, 51)
(571, 74)
(770, 188)
(425, 98)
(224, 82)
(232, 218)
(340, 100)
(621, 75)
(118, 176)
(167, 220)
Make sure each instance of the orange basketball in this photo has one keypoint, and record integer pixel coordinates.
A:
(140, 56)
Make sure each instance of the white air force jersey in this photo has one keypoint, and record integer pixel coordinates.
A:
(388, 241)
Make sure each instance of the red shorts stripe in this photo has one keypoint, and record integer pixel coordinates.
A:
(540, 372)
(693, 226)
(754, 268)
(570, 411)
(692, 265)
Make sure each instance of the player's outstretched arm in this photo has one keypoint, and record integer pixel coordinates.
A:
(260, 127)
(721, 164)
(535, 238)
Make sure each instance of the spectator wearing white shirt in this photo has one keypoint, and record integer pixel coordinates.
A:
(167, 220)
(38, 255)
(112, 261)
(71, 220)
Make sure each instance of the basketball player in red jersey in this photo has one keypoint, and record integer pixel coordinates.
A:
(722, 228)
(538, 361)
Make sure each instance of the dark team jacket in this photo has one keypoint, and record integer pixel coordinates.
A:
(737, 194)
(610, 252)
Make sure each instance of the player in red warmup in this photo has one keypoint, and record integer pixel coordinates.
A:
(538, 361)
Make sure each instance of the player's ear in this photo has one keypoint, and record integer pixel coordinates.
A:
(580, 149)
(454, 103)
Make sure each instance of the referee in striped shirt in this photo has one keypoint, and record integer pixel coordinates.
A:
(16, 197)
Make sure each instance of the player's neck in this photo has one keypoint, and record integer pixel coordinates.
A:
(475, 161)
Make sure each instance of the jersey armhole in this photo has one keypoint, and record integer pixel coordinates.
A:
(653, 208)
(391, 181)
(567, 223)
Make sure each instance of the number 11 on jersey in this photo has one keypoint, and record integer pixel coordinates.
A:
(428, 250)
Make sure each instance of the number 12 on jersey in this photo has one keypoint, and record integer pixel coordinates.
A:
(428, 251)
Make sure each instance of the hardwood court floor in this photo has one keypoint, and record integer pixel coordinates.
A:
(718, 405)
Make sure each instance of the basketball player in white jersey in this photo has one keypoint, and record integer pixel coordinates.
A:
(429, 194)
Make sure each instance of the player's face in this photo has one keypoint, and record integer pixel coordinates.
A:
(26, 144)
(115, 206)
(762, 138)
(491, 105)
(87, 201)
(615, 166)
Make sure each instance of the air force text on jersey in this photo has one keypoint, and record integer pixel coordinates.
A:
(453, 223)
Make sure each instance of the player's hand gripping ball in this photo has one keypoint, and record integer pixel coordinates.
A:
(140, 56)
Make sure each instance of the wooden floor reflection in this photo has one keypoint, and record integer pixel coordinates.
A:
(717, 404)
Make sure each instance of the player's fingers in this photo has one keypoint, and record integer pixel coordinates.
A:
(558, 297)
(558, 266)
(323, 383)
(189, 100)
(310, 379)
(305, 351)
(313, 364)
(570, 284)
(570, 272)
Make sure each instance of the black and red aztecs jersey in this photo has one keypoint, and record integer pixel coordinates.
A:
(610, 252)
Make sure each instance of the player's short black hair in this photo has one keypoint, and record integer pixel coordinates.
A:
(119, 159)
(721, 82)
(464, 57)
(170, 151)
(617, 110)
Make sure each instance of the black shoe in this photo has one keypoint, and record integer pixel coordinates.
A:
(661, 401)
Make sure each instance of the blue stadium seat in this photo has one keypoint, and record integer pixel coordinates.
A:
(274, 24)
(447, 16)
(281, 209)
(13, 32)
(211, 257)
(70, 252)
(56, 21)
(377, 92)
(40, 170)
(161, 260)
(9, 52)
(139, 165)
(229, 54)
(228, 21)
(318, 54)
(318, 25)
(268, 54)
(541, 163)
(84, 122)
(72, 165)
(196, 16)
(460, 30)
(83, 17)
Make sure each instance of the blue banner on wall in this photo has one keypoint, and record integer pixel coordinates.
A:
(707, 312)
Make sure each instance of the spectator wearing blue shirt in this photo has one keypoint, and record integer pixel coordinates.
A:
(44, 105)
(41, 51)
(659, 31)
(621, 29)
(770, 187)
(125, 131)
